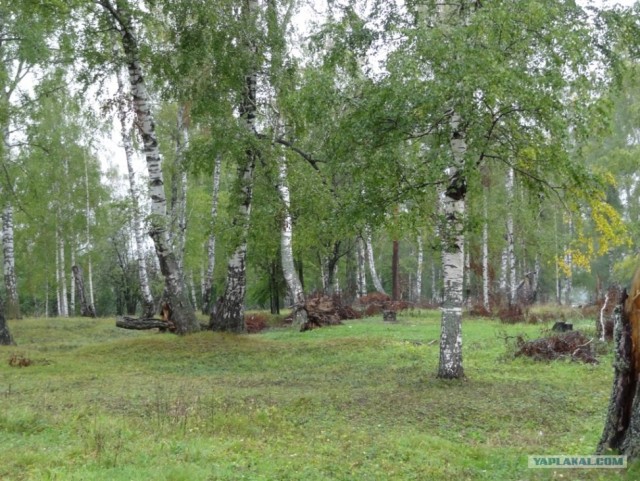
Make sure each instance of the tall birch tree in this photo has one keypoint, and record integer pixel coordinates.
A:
(182, 313)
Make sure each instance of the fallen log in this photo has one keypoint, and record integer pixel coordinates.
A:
(126, 322)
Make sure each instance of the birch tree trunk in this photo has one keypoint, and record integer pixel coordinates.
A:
(450, 364)
(182, 313)
(72, 294)
(568, 260)
(418, 291)
(178, 231)
(91, 302)
(485, 252)
(5, 335)
(207, 289)
(148, 305)
(192, 287)
(86, 309)
(395, 271)
(229, 316)
(63, 309)
(294, 285)
(361, 276)
(511, 258)
(10, 282)
(372, 263)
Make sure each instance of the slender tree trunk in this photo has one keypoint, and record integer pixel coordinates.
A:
(294, 286)
(361, 276)
(72, 294)
(63, 309)
(182, 313)
(395, 274)
(511, 257)
(207, 290)
(192, 287)
(10, 282)
(92, 301)
(148, 305)
(418, 290)
(5, 335)
(178, 232)
(450, 365)
(568, 260)
(372, 264)
(485, 251)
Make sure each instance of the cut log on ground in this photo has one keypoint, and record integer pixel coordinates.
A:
(137, 324)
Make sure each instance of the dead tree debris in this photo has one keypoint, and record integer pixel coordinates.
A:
(569, 345)
(324, 311)
(134, 323)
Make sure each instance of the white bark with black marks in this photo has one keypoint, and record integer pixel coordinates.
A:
(91, 300)
(179, 187)
(207, 289)
(229, 315)
(485, 251)
(361, 280)
(148, 305)
(418, 291)
(294, 285)
(453, 203)
(10, 282)
(372, 263)
(183, 313)
(510, 236)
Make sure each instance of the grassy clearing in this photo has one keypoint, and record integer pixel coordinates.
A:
(359, 401)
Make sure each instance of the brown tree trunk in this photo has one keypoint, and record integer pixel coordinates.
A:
(86, 309)
(395, 290)
(5, 335)
(622, 426)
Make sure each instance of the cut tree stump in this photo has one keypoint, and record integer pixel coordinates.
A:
(389, 316)
(137, 324)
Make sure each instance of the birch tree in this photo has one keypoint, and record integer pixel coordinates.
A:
(182, 313)
(229, 315)
(148, 305)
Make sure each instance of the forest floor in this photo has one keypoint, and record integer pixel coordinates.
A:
(353, 402)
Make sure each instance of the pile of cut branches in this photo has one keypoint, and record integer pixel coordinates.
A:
(376, 303)
(325, 311)
(570, 345)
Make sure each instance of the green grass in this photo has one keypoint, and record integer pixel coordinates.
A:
(354, 402)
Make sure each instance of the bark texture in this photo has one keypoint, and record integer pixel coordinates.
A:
(148, 307)
(450, 364)
(229, 313)
(86, 309)
(207, 289)
(10, 281)
(294, 285)
(622, 426)
(5, 335)
(418, 290)
(361, 275)
(372, 264)
(182, 311)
